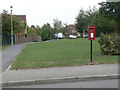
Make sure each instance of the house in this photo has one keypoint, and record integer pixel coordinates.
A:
(72, 29)
(23, 19)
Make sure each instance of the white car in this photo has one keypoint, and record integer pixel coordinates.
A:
(60, 35)
(72, 36)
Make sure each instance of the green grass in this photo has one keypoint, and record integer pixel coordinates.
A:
(65, 52)
(3, 47)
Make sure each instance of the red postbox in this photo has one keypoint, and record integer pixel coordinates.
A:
(91, 32)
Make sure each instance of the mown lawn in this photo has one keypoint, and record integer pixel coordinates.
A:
(65, 52)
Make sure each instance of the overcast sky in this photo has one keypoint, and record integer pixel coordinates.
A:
(39, 12)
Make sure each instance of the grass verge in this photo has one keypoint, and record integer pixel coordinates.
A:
(65, 52)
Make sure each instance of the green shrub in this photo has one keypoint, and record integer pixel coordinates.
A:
(110, 44)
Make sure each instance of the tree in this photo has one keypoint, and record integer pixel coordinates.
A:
(37, 29)
(80, 21)
(28, 30)
(102, 24)
(33, 30)
(60, 27)
(0, 24)
(65, 30)
(57, 25)
(18, 26)
(84, 18)
(5, 22)
(46, 32)
(111, 10)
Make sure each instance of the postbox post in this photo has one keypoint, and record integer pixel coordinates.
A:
(91, 51)
(91, 33)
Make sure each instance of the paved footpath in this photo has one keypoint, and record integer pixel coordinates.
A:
(9, 54)
(37, 75)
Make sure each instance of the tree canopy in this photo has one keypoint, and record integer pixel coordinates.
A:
(83, 19)
(18, 26)
(106, 18)
(46, 32)
(111, 10)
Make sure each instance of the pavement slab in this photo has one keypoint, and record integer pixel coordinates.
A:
(59, 72)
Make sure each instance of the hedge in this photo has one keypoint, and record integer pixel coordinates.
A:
(110, 44)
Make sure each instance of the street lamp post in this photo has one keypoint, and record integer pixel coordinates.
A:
(50, 33)
(11, 27)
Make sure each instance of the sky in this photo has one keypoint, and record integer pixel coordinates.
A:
(40, 12)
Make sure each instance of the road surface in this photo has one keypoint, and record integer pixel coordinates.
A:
(83, 84)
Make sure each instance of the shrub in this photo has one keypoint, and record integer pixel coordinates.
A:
(77, 36)
(46, 32)
(110, 44)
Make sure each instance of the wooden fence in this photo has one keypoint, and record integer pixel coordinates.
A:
(6, 39)
(24, 39)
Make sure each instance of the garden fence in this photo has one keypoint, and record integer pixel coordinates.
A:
(17, 39)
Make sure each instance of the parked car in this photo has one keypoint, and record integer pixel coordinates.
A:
(72, 37)
(85, 36)
(60, 36)
(63, 36)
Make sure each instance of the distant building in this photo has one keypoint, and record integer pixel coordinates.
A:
(23, 19)
(72, 29)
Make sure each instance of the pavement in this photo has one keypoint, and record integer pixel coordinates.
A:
(60, 74)
(53, 75)
(9, 54)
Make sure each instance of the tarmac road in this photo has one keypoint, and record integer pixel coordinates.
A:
(113, 83)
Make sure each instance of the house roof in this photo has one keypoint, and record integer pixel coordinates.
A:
(22, 18)
(71, 26)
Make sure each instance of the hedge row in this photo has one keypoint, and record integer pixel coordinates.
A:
(110, 44)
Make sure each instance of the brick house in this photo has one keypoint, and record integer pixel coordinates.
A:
(72, 29)
(23, 19)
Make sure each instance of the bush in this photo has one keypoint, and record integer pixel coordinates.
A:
(110, 44)
(46, 32)
(77, 36)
